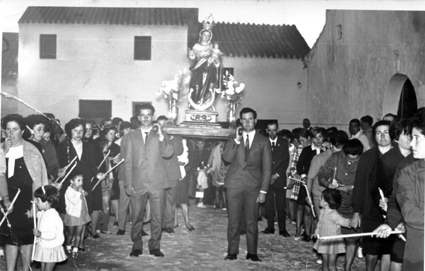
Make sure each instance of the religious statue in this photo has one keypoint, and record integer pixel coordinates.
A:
(206, 65)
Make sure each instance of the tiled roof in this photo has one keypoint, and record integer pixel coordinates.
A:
(10, 54)
(243, 40)
(117, 16)
(250, 40)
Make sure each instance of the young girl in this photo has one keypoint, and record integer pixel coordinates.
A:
(48, 249)
(77, 214)
(330, 223)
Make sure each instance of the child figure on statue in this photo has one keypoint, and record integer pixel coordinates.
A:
(48, 248)
(216, 54)
(329, 224)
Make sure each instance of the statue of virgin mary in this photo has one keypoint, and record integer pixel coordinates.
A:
(206, 68)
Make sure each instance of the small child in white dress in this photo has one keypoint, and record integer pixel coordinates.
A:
(48, 247)
(77, 214)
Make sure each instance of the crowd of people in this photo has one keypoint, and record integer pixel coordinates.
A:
(325, 181)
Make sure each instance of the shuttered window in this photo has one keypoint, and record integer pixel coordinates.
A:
(142, 47)
(47, 46)
(90, 109)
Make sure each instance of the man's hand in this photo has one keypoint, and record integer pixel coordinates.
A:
(239, 134)
(261, 198)
(129, 190)
(383, 231)
(159, 129)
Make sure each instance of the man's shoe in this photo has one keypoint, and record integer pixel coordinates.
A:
(231, 257)
(144, 233)
(242, 232)
(136, 252)
(253, 257)
(284, 233)
(268, 231)
(156, 253)
(170, 230)
(120, 232)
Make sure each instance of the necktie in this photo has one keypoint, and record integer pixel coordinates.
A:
(146, 137)
(273, 145)
(246, 147)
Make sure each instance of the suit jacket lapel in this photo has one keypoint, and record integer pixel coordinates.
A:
(139, 136)
(253, 144)
(241, 154)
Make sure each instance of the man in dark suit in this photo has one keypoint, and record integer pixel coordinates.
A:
(145, 175)
(277, 192)
(172, 166)
(247, 182)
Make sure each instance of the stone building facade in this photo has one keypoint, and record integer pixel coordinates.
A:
(363, 62)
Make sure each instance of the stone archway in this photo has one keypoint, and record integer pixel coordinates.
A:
(400, 97)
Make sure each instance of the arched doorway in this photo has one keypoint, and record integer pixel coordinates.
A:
(400, 97)
(408, 103)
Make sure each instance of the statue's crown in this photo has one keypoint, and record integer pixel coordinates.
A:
(209, 22)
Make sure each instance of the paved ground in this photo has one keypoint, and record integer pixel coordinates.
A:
(203, 249)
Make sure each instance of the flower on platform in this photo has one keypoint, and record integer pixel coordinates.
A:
(232, 89)
(172, 89)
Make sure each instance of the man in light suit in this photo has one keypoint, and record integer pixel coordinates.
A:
(172, 165)
(145, 176)
(247, 182)
(277, 192)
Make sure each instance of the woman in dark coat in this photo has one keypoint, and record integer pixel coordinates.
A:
(303, 165)
(74, 146)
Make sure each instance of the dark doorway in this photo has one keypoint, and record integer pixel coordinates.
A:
(408, 103)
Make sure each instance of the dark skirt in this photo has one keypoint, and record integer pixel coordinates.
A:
(302, 195)
(96, 196)
(115, 189)
(373, 245)
(182, 194)
(20, 232)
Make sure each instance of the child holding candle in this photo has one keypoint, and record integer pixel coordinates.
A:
(77, 214)
(48, 249)
(329, 224)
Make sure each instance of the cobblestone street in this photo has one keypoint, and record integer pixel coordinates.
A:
(203, 249)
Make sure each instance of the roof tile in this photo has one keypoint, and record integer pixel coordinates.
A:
(250, 40)
(94, 15)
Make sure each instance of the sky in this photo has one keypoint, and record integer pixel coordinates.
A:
(307, 15)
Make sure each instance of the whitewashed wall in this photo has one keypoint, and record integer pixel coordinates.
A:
(272, 88)
(97, 62)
